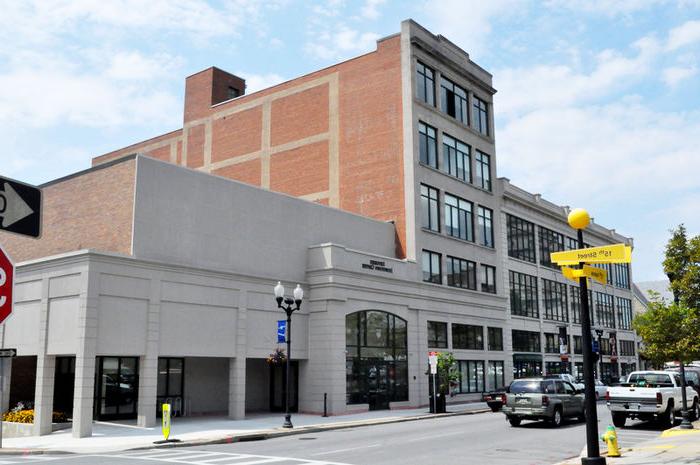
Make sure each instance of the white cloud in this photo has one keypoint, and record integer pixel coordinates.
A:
(370, 9)
(609, 8)
(685, 34)
(133, 65)
(675, 74)
(256, 82)
(341, 42)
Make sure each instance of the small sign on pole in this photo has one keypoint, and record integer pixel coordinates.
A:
(166, 421)
(432, 359)
(281, 331)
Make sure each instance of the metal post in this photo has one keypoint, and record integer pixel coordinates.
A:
(287, 415)
(600, 354)
(594, 457)
(325, 404)
(434, 396)
(685, 424)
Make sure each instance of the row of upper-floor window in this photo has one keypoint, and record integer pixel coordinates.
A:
(530, 341)
(465, 337)
(460, 272)
(458, 216)
(523, 244)
(524, 301)
(456, 157)
(454, 99)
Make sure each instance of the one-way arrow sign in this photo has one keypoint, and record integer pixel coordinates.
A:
(20, 208)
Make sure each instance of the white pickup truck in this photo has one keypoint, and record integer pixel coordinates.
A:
(650, 395)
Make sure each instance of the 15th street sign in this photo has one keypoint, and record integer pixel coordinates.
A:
(20, 208)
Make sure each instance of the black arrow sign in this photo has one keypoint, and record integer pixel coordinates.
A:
(20, 208)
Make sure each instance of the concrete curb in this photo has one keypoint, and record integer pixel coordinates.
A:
(262, 434)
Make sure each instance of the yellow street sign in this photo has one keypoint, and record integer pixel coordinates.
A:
(616, 253)
(166, 421)
(589, 271)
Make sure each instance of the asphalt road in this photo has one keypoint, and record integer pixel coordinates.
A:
(471, 439)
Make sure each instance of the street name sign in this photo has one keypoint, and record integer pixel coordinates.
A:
(592, 272)
(20, 208)
(615, 253)
(7, 278)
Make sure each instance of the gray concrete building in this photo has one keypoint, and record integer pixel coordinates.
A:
(153, 282)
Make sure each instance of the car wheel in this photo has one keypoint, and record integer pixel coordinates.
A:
(597, 396)
(582, 416)
(619, 419)
(556, 418)
(668, 418)
(514, 421)
(695, 411)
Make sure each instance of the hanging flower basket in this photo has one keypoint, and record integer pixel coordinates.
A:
(277, 357)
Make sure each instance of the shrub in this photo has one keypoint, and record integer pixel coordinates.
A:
(27, 416)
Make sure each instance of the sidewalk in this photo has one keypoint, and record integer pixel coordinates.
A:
(193, 431)
(673, 447)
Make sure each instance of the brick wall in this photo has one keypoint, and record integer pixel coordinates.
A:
(90, 211)
(333, 136)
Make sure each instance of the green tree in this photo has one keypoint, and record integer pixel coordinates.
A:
(448, 374)
(669, 331)
(682, 266)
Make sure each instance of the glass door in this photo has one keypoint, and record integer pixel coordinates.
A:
(116, 388)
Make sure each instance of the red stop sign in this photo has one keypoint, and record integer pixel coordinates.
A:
(7, 276)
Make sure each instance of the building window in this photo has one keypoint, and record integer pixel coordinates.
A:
(429, 202)
(481, 115)
(455, 158)
(605, 346)
(467, 337)
(523, 294)
(605, 309)
(521, 238)
(554, 300)
(496, 374)
(627, 348)
(437, 334)
(575, 299)
(483, 170)
(233, 92)
(376, 354)
(459, 221)
(486, 226)
(453, 100)
(425, 83)
(488, 279)
(551, 343)
(427, 143)
(621, 275)
(624, 313)
(577, 345)
(471, 376)
(571, 243)
(495, 338)
(432, 272)
(550, 241)
(461, 273)
(170, 379)
(526, 341)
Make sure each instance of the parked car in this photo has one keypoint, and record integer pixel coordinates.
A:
(692, 375)
(551, 400)
(567, 377)
(494, 399)
(650, 395)
(600, 390)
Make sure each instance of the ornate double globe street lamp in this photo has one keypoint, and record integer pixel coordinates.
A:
(289, 307)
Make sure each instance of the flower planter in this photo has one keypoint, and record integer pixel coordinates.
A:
(11, 429)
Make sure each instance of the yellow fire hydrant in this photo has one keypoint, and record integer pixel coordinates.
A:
(610, 438)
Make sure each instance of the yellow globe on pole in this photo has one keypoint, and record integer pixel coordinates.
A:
(579, 218)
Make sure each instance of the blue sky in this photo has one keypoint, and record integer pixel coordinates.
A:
(598, 103)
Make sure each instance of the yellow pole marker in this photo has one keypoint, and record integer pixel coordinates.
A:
(596, 274)
(615, 253)
(166, 421)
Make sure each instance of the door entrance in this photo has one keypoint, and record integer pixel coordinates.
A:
(116, 388)
(278, 386)
(64, 382)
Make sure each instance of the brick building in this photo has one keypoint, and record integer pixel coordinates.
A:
(415, 245)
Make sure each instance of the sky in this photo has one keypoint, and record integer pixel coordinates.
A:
(598, 102)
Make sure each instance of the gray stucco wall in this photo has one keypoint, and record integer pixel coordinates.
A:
(187, 217)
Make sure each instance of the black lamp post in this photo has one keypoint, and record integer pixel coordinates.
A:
(289, 307)
(599, 333)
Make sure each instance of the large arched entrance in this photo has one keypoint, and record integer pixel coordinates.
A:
(376, 360)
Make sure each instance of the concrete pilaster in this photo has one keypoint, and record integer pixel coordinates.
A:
(43, 397)
(148, 365)
(6, 381)
(85, 357)
(237, 365)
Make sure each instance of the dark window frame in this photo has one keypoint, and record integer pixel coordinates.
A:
(464, 277)
(430, 197)
(435, 278)
(427, 140)
(437, 334)
(467, 337)
(425, 80)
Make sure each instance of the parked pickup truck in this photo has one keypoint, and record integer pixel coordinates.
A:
(650, 395)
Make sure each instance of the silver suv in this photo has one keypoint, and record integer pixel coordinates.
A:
(543, 399)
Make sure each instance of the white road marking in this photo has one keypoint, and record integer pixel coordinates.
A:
(345, 450)
(194, 457)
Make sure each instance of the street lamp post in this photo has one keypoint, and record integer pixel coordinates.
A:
(579, 220)
(289, 307)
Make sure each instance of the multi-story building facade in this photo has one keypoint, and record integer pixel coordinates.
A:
(458, 260)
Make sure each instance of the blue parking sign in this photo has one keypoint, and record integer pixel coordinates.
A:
(281, 330)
